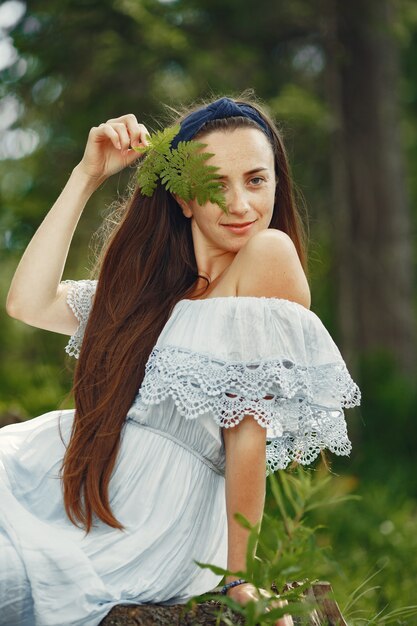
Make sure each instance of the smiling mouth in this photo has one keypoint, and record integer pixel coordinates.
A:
(238, 225)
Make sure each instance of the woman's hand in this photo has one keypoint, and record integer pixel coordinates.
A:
(109, 146)
(245, 592)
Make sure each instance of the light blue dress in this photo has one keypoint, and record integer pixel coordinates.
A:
(215, 361)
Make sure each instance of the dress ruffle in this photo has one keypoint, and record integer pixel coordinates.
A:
(266, 357)
(79, 300)
(271, 358)
(282, 396)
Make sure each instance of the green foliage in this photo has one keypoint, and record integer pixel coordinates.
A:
(289, 546)
(157, 152)
(301, 105)
(388, 426)
(375, 543)
(283, 548)
(182, 171)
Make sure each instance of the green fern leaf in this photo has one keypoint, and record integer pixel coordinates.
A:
(182, 171)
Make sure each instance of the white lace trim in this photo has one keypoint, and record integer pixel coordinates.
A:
(282, 396)
(79, 299)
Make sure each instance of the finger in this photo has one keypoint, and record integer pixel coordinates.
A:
(286, 620)
(108, 131)
(121, 130)
(138, 133)
(123, 118)
(130, 156)
(279, 603)
(144, 135)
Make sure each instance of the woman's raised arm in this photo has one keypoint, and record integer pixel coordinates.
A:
(36, 295)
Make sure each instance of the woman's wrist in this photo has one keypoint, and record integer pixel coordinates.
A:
(88, 183)
(232, 584)
(231, 578)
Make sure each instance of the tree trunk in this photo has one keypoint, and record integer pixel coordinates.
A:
(372, 223)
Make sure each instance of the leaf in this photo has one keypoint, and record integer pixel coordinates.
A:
(221, 571)
(214, 568)
(182, 171)
(243, 521)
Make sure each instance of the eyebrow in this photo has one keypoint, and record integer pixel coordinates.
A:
(254, 171)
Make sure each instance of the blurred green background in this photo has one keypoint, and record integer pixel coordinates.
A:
(340, 79)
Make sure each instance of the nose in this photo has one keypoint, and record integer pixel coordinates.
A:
(237, 201)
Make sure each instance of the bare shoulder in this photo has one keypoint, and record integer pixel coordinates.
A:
(270, 240)
(268, 265)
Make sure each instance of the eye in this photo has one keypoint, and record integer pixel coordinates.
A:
(259, 180)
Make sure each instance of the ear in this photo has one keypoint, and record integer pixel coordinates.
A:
(184, 206)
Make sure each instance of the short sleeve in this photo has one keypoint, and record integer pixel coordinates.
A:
(269, 358)
(80, 300)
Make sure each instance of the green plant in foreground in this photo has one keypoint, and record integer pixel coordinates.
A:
(182, 171)
(286, 546)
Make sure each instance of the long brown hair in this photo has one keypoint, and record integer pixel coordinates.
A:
(146, 265)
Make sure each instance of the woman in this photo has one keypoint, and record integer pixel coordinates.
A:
(200, 365)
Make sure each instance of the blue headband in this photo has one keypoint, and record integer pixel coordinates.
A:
(224, 107)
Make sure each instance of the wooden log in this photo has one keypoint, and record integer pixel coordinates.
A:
(328, 608)
(203, 614)
(324, 611)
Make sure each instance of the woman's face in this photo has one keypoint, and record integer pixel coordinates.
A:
(245, 160)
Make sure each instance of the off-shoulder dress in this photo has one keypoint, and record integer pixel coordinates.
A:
(215, 361)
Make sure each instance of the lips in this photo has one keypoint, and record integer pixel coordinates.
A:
(238, 225)
(239, 229)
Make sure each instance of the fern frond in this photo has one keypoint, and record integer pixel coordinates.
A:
(183, 171)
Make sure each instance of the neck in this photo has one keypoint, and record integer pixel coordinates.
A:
(211, 261)
(212, 264)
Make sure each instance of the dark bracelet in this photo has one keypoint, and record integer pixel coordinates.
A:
(232, 584)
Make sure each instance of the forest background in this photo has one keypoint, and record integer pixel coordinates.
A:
(340, 78)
